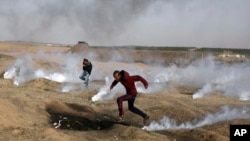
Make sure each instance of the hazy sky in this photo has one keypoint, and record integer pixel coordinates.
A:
(199, 23)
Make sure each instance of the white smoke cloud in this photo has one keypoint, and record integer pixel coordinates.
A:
(211, 23)
(191, 23)
(225, 114)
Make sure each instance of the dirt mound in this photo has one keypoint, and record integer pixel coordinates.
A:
(78, 48)
(94, 53)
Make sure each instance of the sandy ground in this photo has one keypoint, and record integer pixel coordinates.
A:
(26, 111)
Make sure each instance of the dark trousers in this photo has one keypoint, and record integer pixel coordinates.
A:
(131, 107)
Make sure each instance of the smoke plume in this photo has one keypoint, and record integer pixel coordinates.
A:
(209, 23)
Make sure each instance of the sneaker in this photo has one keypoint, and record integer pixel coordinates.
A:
(121, 118)
(145, 119)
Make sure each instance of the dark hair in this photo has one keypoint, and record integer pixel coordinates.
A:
(115, 72)
(85, 60)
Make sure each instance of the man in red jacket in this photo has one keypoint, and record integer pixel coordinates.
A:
(129, 83)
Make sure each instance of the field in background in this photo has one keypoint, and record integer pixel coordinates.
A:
(182, 55)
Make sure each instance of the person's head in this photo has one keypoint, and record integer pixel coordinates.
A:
(117, 75)
(85, 60)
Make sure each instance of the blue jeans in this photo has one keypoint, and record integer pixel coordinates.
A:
(85, 77)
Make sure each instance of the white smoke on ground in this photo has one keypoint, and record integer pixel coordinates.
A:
(21, 70)
(231, 80)
(225, 114)
(67, 87)
(206, 89)
(104, 93)
(62, 68)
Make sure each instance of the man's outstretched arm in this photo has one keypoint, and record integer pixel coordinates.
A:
(113, 84)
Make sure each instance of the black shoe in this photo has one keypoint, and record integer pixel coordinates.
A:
(145, 119)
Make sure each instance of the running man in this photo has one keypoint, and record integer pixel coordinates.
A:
(129, 83)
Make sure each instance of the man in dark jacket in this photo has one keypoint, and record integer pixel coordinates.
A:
(129, 83)
(87, 68)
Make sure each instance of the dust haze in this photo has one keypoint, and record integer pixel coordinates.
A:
(207, 23)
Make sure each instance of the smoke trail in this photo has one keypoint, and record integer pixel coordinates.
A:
(104, 93)
(206, 89)
(225, 114)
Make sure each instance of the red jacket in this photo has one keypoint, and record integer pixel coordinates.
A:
(129, 82)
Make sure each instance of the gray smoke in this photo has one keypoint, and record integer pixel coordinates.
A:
(67, 21)
(211, 23)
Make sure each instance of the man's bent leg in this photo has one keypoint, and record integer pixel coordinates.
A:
(135, 110)
(86, 79)
(119, 102)
(82, 76)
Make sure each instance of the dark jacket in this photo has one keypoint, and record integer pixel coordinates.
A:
(129, 82)
(87, 67)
